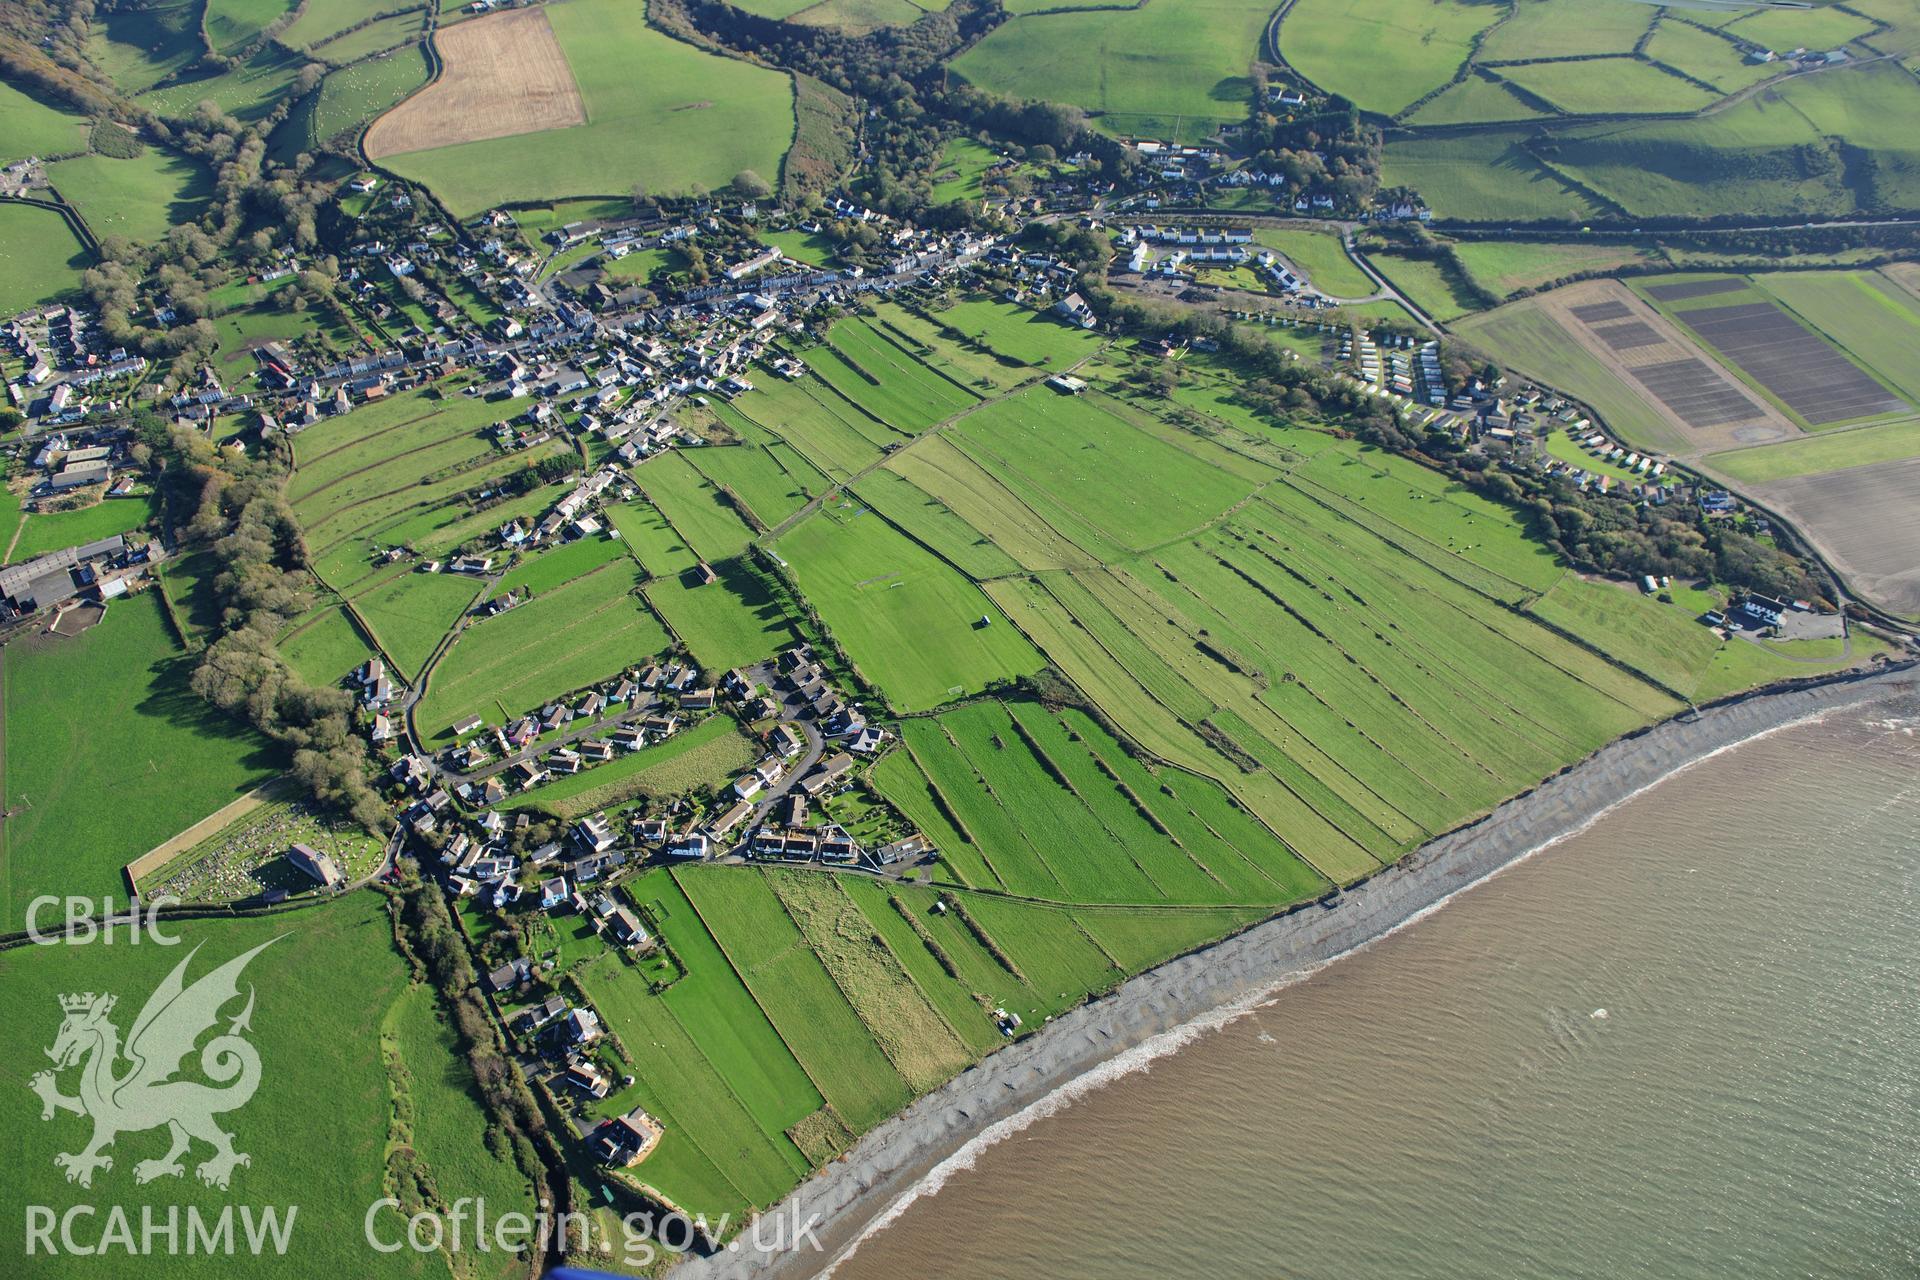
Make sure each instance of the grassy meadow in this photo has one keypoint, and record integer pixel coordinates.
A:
(658, 111)
(358, 1054)
(168, 761)
(1166, 71)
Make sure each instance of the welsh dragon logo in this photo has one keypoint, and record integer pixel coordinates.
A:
(143, 1093)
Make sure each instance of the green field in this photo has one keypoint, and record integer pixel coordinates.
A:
(356, 94)
(1384, 54)
(321, 19)
(138, 198)
(1609, 86)
(169, 761)
(957, 173)
(1239, 629)
(913, 625)
(724, 623)
(1160, 70)
(30, 127)
(802, 246)
(1321, 255)
(773, 482)
(1816, 455)
(1472, 100)
(658, 111)
(1045, 804)
(544, 570)
(308, 1048)
(1567, 28)
(1707, 57)
(403, 471)
(559, 641)
(138, 48)
(40, 260)
(884, 379)
(708, 1063)
(387, 33)
(1424, 282)
(697, 510)
(1486, 176)
(40, 534)
(1505, 267)
(232, 23)
(324, 647)
(709, 755)
(248, 92)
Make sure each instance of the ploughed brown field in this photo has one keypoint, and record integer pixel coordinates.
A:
(505, 75)
(1866, 521)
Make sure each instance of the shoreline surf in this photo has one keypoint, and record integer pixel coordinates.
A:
(1156, 1013)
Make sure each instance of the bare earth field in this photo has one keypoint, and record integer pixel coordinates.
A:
(505, 75)
(1867, 523)
(1669, 370)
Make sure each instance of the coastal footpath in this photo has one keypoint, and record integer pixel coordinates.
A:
(846, 1199)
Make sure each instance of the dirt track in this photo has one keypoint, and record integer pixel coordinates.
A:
(504, 75)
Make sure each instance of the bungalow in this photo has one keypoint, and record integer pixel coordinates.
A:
(597, 750)
(594, 833)
(661, 726)
(748, 786)
(626, 1140)
(912, 846)
(626, 928)
(689, 844)
(528, 774)
(587, 1078)
(732, 818)
(829, 771)
(547, 1011)
(629, 737)
(582, 1026)
(697, 700)
(785, 739)
(545, 854)
(511, 976)
(471, 724)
